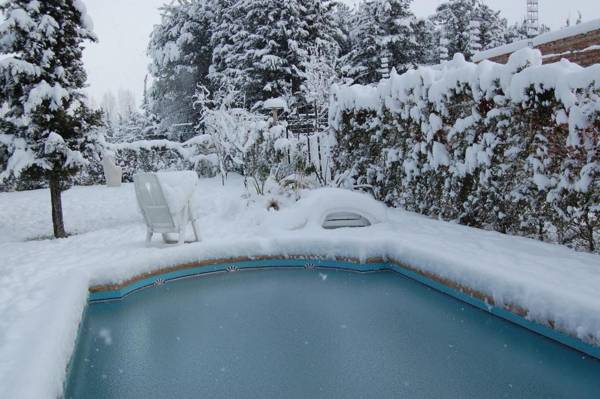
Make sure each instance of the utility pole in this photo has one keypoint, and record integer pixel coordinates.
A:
(533, 18)
(384, 70)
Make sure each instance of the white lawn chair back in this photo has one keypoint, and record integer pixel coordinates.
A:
(153, 203)
(158, 216)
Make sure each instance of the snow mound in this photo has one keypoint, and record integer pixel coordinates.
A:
(310, 212)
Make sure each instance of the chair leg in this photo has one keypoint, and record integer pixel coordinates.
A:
(196, 229)
(149, 235)
(183, 219)
(194, 221)
(181, 235)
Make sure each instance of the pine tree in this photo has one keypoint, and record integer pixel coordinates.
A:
(42, 78)
(260, 45)
(323, 32)
(252, 52)
(181, 52)
(398, 21)
(466, 27)
(425, 49)
(343, 19)
(383, 31)
(520, 31)
(228, 31)
(492, 27)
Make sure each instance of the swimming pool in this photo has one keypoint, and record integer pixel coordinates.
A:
(315, 333)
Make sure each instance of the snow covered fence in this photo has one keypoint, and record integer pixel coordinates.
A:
(514, 148)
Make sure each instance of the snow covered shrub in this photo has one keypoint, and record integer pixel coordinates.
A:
(513, 148)
(541, 150)
(149, 156)
(576, 197)
(249, 142)
(235, 133)
(355, 153)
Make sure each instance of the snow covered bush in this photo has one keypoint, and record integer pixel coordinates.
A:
(513, 148)
(163, 155)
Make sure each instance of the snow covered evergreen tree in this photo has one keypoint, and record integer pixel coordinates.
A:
(260, 46)
(181, 53)
(323, 31)
(383, 30)
(398, 24)
(492, 27)
(425, 48)
(41, 102)
(467, 26)
(228, 30)
(520, 31)
(343, 18)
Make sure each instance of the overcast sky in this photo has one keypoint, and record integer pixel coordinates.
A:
(123, 26)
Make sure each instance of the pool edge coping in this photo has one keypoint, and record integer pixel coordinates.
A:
(509, 312)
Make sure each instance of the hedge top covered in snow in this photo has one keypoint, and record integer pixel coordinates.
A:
(539, 40)
(413, 94)
(437, 83)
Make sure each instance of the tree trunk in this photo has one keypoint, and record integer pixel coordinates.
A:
(57, 213)
(589, 232)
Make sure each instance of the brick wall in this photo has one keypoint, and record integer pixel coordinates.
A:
(572, 48)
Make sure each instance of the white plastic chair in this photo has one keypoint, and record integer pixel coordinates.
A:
(112, 173)
(159, 218)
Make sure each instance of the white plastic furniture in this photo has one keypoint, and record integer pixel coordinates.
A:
(112, 173)
(159, 217)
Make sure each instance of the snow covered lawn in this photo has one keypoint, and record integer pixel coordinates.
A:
(44, 283)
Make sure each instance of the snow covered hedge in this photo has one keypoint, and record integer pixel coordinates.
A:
(135, 157)
(514, 148)
(151, 156)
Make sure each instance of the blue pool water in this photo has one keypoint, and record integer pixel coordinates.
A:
(315, 334)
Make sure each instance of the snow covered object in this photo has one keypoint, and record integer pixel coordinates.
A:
(42, 107)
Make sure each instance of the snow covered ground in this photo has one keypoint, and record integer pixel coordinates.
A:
(43, 283)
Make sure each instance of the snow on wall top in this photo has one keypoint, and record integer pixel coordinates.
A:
(539, 40)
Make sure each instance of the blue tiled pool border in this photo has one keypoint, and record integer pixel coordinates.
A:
(219, 267)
